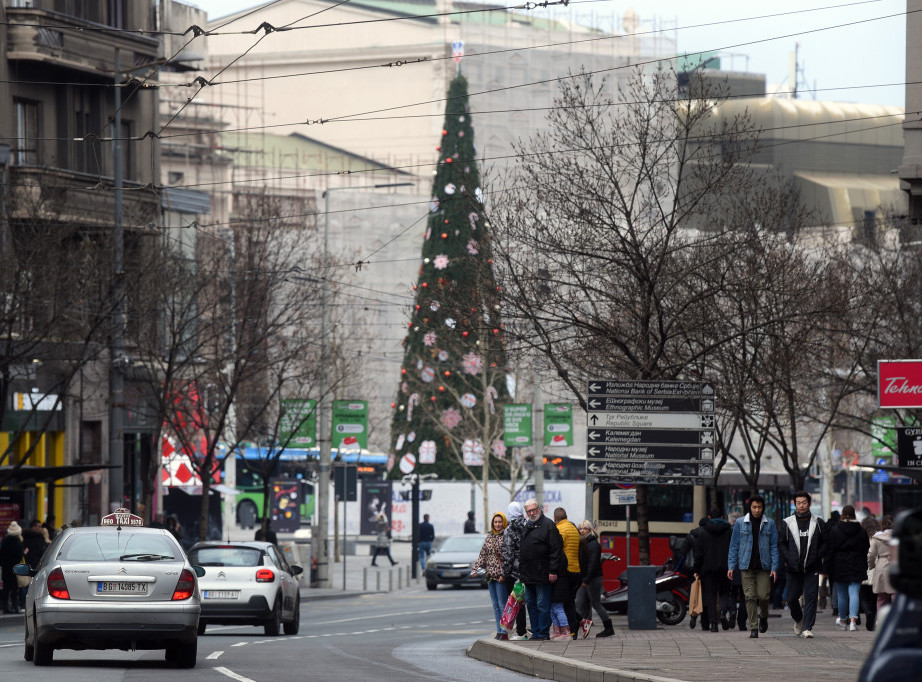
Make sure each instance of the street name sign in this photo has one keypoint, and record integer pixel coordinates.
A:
(641, 452)
(639, 420)
(654, 436)
(627, 403)
(651, 388)
(616, 496)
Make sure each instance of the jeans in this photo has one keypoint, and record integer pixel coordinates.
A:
(809, 586)
(757, 586)
(559, 615)
(538, 602)
(848, 594)
(499, 594)
(425, 549)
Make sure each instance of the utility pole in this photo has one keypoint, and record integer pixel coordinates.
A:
(117, 332)
(538, 439)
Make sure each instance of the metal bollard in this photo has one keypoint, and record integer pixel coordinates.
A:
(365, 579)
(378, 581)
(390, 580)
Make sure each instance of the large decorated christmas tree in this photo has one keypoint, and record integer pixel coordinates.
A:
(448, 412)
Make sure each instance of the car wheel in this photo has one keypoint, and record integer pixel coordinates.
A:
(431, 586)
(274, 624)
(29, 652)
(182, 655)
(246, 514)
(201, 627)
(42, 654)
(295, 624)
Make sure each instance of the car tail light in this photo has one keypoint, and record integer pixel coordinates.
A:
(186, 585)
(57, 588)
(264, 575)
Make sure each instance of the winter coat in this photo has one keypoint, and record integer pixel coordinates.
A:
(789, 545)
(540, 552)
(570, 536)
(711, 554)
(879, 560)
(593, 566)
(33, 546)
(11, 549)
(741, 545)
(560, 591)
(491, 556)
(688, 548)
(848, 557)
(512, 539)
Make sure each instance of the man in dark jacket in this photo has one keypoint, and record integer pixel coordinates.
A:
(711, 562)
(690, 546)
(541, 560)
(803, 543)
(33, 540)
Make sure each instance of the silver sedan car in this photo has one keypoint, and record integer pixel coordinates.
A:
(118, 586)
(248, 583)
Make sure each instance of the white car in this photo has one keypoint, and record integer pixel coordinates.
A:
(114, 586)
(248, 583)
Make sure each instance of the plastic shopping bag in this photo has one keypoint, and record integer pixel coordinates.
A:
(510, 612)
(518, 591)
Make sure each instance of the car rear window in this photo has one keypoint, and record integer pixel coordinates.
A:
(471, 543)
(115, 546)
(225, 556)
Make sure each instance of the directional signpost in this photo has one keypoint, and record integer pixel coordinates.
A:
(650, 432)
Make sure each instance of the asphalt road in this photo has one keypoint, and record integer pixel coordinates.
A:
(411, 634)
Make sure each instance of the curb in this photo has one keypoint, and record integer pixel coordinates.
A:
(521, 659)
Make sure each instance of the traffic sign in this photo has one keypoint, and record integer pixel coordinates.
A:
(603, 387)
(350, 424)
(623, 403)
(630, 472)
(880, 476)
(651, 436)
(641, 420)
(649, 452)
(616, 496)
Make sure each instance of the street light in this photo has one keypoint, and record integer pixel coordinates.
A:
(323, 482)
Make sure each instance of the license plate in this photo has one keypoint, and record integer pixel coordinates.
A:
(451, 574)
(221, 594)
(120, 588)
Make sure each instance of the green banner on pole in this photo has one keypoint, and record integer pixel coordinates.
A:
(350, 424)
(558, 424)
(298, 423)
(517, 425)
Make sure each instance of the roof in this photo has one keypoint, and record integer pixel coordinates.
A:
(843, 198)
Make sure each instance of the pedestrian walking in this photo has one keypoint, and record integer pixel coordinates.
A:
(11, 553)
(491, 560)
(737, 604)
(383, 539)
(803, 543)
(754, 555)
(712, 568)
(879, 561)
(849, 546)
(34, 543)
(512, 540)
(541, 561)
(469, 526)
(426, 538)
(589, 595)
(571, 546)
(688, 552)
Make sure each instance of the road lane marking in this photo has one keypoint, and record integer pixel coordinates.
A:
(213, 655)
(234, 676)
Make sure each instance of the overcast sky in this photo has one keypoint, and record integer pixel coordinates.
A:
(843, 46)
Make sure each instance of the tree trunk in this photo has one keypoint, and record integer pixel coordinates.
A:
(206, 492)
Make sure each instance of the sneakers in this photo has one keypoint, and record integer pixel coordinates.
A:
(754, 634)
(807, 634)
(763, 624)
(585, 626)
(798, 627)
(853, 627)
(516, 638)
(502, 636)
(841, 624)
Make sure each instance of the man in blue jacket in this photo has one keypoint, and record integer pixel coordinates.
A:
(754, 552)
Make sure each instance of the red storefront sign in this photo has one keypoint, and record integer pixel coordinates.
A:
(899, 383)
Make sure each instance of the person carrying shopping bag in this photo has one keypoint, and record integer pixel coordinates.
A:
(491, 560)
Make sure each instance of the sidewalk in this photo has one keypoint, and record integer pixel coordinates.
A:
(363, 578)
(679, 653)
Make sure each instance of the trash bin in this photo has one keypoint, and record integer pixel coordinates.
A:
(641, 597)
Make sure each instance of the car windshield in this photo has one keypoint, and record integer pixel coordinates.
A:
(225, 556)
(119, 546)
(468, 543)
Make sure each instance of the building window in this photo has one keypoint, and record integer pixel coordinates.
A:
(116, 13)
(25, 152)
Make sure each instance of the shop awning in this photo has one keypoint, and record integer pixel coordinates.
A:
(11, 475)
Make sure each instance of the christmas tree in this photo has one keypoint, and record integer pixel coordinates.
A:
(448, 413)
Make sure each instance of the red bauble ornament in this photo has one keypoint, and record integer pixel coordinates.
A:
(444, 235)
(432, 398)
(495, 331)
(464, 333)
(441, 389)
(448, 160)
(444, 132)
(425, 284)
(447, 373)
(393, 405)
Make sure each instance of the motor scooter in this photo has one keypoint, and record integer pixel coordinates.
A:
(897, 650)
(672, 590)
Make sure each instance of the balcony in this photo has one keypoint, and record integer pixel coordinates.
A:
(38, 35)
(67, 197)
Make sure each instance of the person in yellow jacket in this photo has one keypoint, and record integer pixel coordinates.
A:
(571, 549)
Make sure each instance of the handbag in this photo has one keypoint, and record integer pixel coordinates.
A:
(695, 605)
(23, 580)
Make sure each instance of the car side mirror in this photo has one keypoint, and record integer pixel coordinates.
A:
(199, 571)
(296, 570)
(906, 554)
(23, 569)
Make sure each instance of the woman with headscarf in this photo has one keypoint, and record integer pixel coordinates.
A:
(11, 553)
(512, 539)
(491, 560)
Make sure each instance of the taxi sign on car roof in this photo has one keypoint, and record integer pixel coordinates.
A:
(121, 517)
